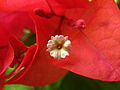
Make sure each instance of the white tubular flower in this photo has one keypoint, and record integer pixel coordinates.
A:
(59, 46)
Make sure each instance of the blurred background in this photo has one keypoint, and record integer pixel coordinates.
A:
(71, 82)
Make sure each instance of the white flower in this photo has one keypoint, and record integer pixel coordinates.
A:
(59, 46)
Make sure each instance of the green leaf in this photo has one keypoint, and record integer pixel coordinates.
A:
(18, 87)
(31, 40)
(76, 82)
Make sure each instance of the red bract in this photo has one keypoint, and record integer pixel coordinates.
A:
(22, 5)
(95, 50)
(38, 71)
(46, 74)
(16, 22)
(70, 4)
(12, 24)
(6, 50)
(92, 53)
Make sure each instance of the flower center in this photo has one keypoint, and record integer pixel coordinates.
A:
(59, 46)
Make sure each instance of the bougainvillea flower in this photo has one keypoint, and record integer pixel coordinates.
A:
(95, 49)
(25, 58)
(33, 61)
(34, 64)
(12, 25)
(16, 22)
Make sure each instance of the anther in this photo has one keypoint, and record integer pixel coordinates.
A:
(77, 24)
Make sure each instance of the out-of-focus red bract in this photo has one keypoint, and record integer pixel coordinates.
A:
(6, 50)
(16, 22)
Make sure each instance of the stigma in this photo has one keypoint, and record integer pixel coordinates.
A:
(77, 24)
(59, 46)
